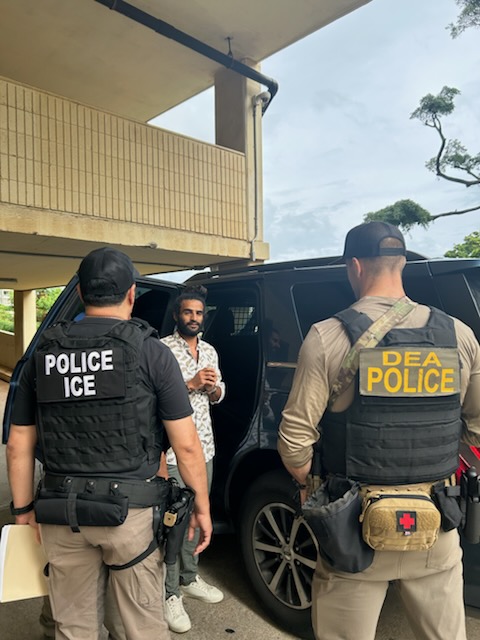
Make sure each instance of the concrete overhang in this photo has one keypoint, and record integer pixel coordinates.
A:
(37, 262)
(82, 50)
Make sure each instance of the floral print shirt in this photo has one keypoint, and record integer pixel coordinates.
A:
(207, 357)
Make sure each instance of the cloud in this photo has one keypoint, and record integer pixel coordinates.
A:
(349, 146)
(338, 140)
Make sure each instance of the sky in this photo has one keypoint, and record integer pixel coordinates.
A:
(338, 141)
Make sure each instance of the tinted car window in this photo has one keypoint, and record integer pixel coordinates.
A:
(459, 294)
(320, 300)
(422, 289)
(153, 305)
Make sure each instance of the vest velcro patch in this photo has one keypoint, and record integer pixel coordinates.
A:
(409, 372)
(406, 522)
(89, 374)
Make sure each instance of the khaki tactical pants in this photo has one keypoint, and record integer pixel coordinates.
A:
(78, 579)
(346, 606)
(112, 620)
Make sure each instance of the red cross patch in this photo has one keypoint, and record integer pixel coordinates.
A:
(406, 522)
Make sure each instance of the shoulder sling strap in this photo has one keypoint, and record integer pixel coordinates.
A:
(369, 339)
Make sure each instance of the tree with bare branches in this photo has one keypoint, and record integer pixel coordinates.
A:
(452, 161)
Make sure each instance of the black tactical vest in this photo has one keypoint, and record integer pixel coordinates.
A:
(95, 413)
(404, 424)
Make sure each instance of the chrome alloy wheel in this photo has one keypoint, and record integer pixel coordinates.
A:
(285, 551)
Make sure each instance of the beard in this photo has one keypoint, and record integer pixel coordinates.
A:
(189, 329)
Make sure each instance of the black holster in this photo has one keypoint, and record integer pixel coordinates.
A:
(470, 490)
(446, 498)
(176, 520)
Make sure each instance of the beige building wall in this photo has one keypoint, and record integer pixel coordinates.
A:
(73, 174)
(57, 155)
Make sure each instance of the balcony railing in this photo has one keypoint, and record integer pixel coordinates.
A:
(62, 156)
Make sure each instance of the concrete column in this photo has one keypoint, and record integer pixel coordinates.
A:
(24, 304)
(238, 126)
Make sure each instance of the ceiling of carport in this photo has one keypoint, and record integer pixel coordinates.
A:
(81, 50)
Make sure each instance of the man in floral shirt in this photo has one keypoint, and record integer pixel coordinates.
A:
(198, 362)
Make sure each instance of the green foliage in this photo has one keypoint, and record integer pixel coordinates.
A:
(6, 318)
(45, 299)
(453, 162)
(469, 16)
(6, 313)
(469, 248)
(455, 156)
(403, 213)
(432, 107)
(452, 154)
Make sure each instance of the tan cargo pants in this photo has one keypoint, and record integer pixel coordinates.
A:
(346, 606)
(112, 620)
(78, 578)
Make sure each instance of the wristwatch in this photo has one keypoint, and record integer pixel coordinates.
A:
(21, 510)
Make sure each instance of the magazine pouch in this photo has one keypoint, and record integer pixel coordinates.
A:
(333, 513)
(399, 518)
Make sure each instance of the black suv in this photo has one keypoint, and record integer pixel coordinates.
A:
(257, 319)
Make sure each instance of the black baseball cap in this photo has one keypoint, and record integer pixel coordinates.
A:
(364, 241)
(106, 272)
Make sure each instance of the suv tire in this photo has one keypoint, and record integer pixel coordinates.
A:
(279, 551)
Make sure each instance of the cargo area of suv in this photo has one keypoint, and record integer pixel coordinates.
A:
(257, 319)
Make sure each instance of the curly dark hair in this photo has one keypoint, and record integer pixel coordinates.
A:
(191, 292)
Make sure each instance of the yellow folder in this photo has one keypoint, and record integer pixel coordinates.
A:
(22, 561)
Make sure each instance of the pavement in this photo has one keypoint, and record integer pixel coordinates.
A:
(238, 616)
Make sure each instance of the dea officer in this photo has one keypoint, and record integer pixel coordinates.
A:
(96, 396)
(394, 385)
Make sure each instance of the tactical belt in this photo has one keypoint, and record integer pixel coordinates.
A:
(140, 493)
(69, 492)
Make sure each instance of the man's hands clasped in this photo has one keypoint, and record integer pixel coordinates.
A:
(203, 380)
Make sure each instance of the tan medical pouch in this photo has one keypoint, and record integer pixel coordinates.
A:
(399, 518)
